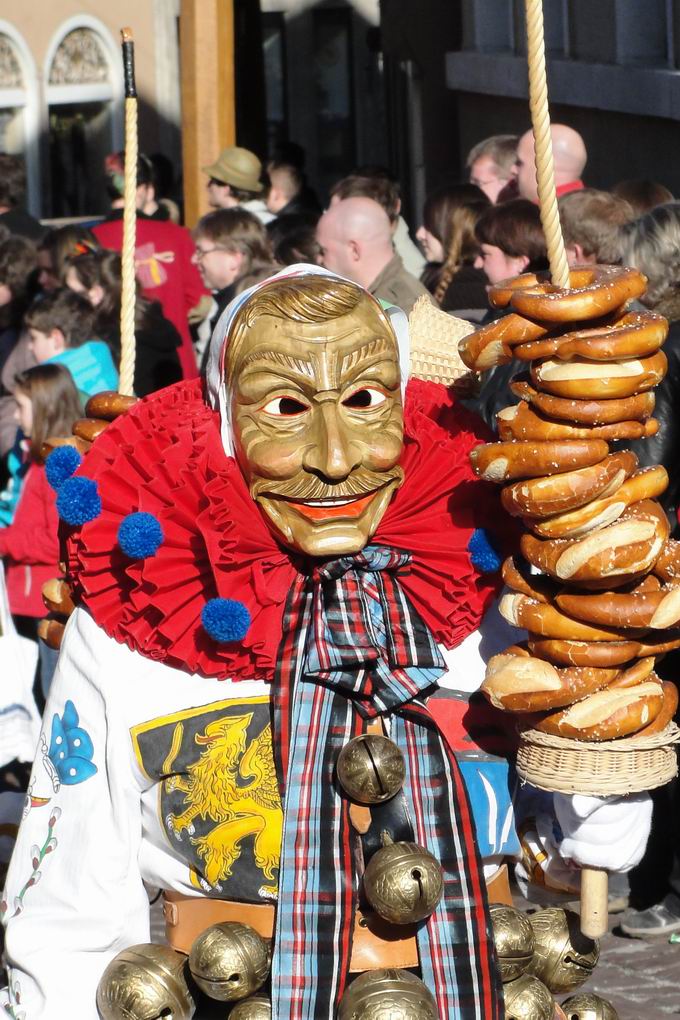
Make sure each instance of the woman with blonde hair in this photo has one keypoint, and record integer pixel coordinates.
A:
(447, 238)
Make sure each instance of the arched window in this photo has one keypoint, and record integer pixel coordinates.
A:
(80, 60)
(19, 119)
(84, 92)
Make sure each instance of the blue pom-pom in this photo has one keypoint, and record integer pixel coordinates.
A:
(61, 464)
(78, 501)
(139, 535)
(482, 553)
(225, 620)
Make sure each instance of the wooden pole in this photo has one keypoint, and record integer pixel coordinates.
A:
(208, 94)
(594, 900)
(128, 269)
(540, 122)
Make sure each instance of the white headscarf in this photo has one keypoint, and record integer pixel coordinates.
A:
(217, 391)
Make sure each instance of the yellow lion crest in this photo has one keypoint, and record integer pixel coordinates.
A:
(235, 787)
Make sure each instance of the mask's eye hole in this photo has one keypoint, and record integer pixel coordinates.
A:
(285, 407)
(362, 400)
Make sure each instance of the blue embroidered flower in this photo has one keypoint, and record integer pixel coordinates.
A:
(71, 748)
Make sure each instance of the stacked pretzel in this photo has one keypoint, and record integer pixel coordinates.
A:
(598, 584)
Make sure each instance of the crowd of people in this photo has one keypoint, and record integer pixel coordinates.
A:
(60, 298)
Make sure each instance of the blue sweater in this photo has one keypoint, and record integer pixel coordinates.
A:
(91, 366)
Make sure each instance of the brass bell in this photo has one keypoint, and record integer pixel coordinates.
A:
(564, 958)
(403, 882)
(388, 995)
(229, 961)
(258, 1007)
(143, 983)
(527, 998)
(514, 938)
(586, 1006)
(371, 768)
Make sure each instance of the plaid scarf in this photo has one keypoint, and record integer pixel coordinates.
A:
(353, 648)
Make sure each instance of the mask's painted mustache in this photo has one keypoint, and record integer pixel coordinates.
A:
(305, 486)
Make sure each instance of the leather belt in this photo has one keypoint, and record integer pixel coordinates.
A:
(376, 944)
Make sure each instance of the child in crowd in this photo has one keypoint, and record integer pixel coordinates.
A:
(60, 324)
(47, 405)
(17, 287)
(56, 247)
(97, 277)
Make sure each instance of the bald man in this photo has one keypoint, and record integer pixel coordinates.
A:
(569, 155)
(355, 237)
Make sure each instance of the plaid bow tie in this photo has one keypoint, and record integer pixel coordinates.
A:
(353, 648)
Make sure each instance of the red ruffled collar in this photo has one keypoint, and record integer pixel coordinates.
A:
(165, 457)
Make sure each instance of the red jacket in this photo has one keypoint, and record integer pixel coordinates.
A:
(30, 545)
(167, 274)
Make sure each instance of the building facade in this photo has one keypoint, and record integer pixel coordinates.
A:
(61, 94)
(307, 71)
(613, 74)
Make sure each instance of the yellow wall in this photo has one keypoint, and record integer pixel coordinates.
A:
(38, 21)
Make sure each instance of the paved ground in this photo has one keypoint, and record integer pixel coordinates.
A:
(640, 978)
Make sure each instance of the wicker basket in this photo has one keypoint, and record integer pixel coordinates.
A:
(434, 343)
(628, 765)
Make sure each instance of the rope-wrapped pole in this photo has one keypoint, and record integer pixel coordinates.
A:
(540, 122)
(594, 893)
(128, 292)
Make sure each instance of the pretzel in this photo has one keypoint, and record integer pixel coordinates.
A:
(500, 294)
(52, 442)
(634, 335)
(520, 421)
(56, 595)
(491, 344)
(660, 643)
(601, 380)
(542, 497)
(89, 428)
(601, 654)
(593, 291)
(586, 412)
(620, 551)
(522, 683)
(667, 566)
(640, 670)
(657, 610)
(668, 710)
(500, 462)
(546, 620)
(517, 576)
(51, 632)
(645, 484)
(608, 714)
(108, 405)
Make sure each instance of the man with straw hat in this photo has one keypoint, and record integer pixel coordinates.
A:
(234, 180)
